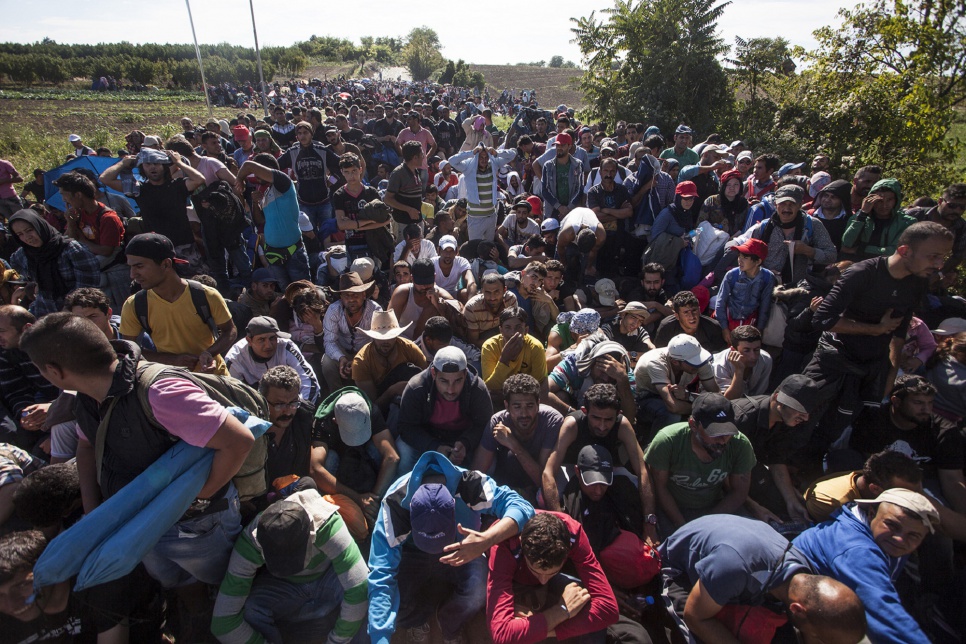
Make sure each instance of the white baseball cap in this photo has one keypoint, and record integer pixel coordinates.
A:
(686, 348)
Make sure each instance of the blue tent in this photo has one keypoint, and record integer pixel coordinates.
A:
(97, 165)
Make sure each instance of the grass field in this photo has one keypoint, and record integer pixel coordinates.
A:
(553, 85)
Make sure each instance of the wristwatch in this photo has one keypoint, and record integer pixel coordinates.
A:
(651, 519)
(199, 505)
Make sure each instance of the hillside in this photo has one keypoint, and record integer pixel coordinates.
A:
(554, 86)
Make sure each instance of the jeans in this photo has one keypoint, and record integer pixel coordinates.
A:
(219, 266)
(283, 611)
(318, 212)
(420, 572)
(196, 549)
(296, 268)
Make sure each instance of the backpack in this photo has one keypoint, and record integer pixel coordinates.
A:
(250, 479)
(198, 298)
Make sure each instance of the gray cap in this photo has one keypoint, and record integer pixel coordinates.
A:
(265, 324)
(353, 418)
(449, 360)
(789, 193)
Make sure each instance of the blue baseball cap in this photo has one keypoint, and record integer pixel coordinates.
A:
(432, 514)
(788, 167)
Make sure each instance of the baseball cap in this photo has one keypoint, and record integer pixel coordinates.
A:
(536, 203)
(798, 392)
(284, 532)
(564, 139)
(683, 129)
(448, 241)
(950, 326)
(789, 193)
(686, 348)
(264, 324)
(423, 272)
(635, 308)
(754, 247)
(550, 224)
(715, 413)
(746, 154)
(449, 360)
(151, 140)
(263, 275)
(788, 167)
(353, 418)
(432, 515)
(154, 246)
(606, 291)
(73, 138)
(363, 267)
(911, 501)
(596, 465)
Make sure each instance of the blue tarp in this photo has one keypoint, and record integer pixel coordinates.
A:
(110, 541)
(95, 164)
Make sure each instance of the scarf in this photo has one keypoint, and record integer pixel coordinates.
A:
(731, 209)
(775, 222)
(42, 263)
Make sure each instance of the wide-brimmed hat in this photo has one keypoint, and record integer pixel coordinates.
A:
(351, 282)
(384, 326)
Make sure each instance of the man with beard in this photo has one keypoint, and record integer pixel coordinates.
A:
(599, 422)
(482, 311)
(261, 293)
(652, 295)
(562, 178)
(512, 351)
(422, 299)
(692, 461)
(865, 177)
(949, 213)
(384, 366)
(292, 417)
(520, 438)
(265, 347)
(906, 426)
(163, 201)
(777, 427)
(480, 168)
(865, 318)
(452, 270)
(611, 203)
(343, 320)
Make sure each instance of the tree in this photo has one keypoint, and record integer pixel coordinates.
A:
(446, 78)
(556, 61)
(655, 61)
(882, 88)
(421, 53)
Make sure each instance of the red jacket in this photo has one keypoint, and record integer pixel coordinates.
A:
(508, 567)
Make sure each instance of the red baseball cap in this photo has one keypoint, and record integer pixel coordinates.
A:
(536, 204)
(685, 189)
(564, 139)
(754, 247)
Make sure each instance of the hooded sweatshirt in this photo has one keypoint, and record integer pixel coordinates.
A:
(835, 222)
(861, 226)
(843, 548)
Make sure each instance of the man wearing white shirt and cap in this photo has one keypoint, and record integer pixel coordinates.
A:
(80, 149)
(450, 267)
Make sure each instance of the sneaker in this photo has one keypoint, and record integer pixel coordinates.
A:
(417, 634)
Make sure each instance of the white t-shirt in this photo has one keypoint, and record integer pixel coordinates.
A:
(517, 236)
(426, 249)
(580, 218)
(450, 283)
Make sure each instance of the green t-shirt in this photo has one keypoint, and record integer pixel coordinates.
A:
(693, 484)
(688, 157)
(563, 183)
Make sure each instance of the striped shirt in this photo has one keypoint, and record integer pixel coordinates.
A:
(341, 340)
(333, 546)
(484, 184)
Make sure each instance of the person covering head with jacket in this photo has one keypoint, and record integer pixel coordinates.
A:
(874, 230)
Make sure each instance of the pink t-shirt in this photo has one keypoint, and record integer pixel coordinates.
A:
(209, 167)
(7, 171)
(185, 410)
(446, 415)
(423, 136)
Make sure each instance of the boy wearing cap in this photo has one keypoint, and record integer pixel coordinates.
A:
(353, 453)
(428, 533)
(865, 546)
(265, 346)
(691, 461)
(312, 567)
(453, 270)
(777, 427)
(746, 291)
(181, 337)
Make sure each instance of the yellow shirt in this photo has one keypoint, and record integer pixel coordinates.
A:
(369, 366)
(176, 326)
(531, 360)
(831, 492)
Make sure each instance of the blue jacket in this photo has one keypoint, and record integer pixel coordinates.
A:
(475, 494)
(465, 162)
(842, 548)
(740, 296)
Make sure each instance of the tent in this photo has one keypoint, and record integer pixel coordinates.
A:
(97, 165)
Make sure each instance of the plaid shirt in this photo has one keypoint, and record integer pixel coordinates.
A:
(341, 340)
(77, 265)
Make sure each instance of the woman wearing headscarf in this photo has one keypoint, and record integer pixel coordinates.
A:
(56, 263)
(874, 230)
(728, 208)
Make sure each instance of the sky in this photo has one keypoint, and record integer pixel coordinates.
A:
(496, 42)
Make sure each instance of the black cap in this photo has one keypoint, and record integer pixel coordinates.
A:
(715, 414)
(154, 246)
(424, 272)
(284, 532)
(596, 465)
(798, 392)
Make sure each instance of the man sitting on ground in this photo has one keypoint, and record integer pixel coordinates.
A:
(264, 347)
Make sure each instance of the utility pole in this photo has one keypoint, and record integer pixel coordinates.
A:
(201, 67)
(258, 58)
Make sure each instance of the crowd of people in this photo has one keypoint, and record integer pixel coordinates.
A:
(577, 382)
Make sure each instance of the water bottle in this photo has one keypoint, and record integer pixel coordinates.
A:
(643, 602)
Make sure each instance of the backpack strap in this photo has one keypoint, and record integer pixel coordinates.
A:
(200, 300)
(100, 438)
(141, 310)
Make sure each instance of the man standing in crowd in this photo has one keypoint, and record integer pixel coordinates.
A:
(480, 167)
(316, 169)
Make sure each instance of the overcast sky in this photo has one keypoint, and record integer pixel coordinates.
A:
(472, 39)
